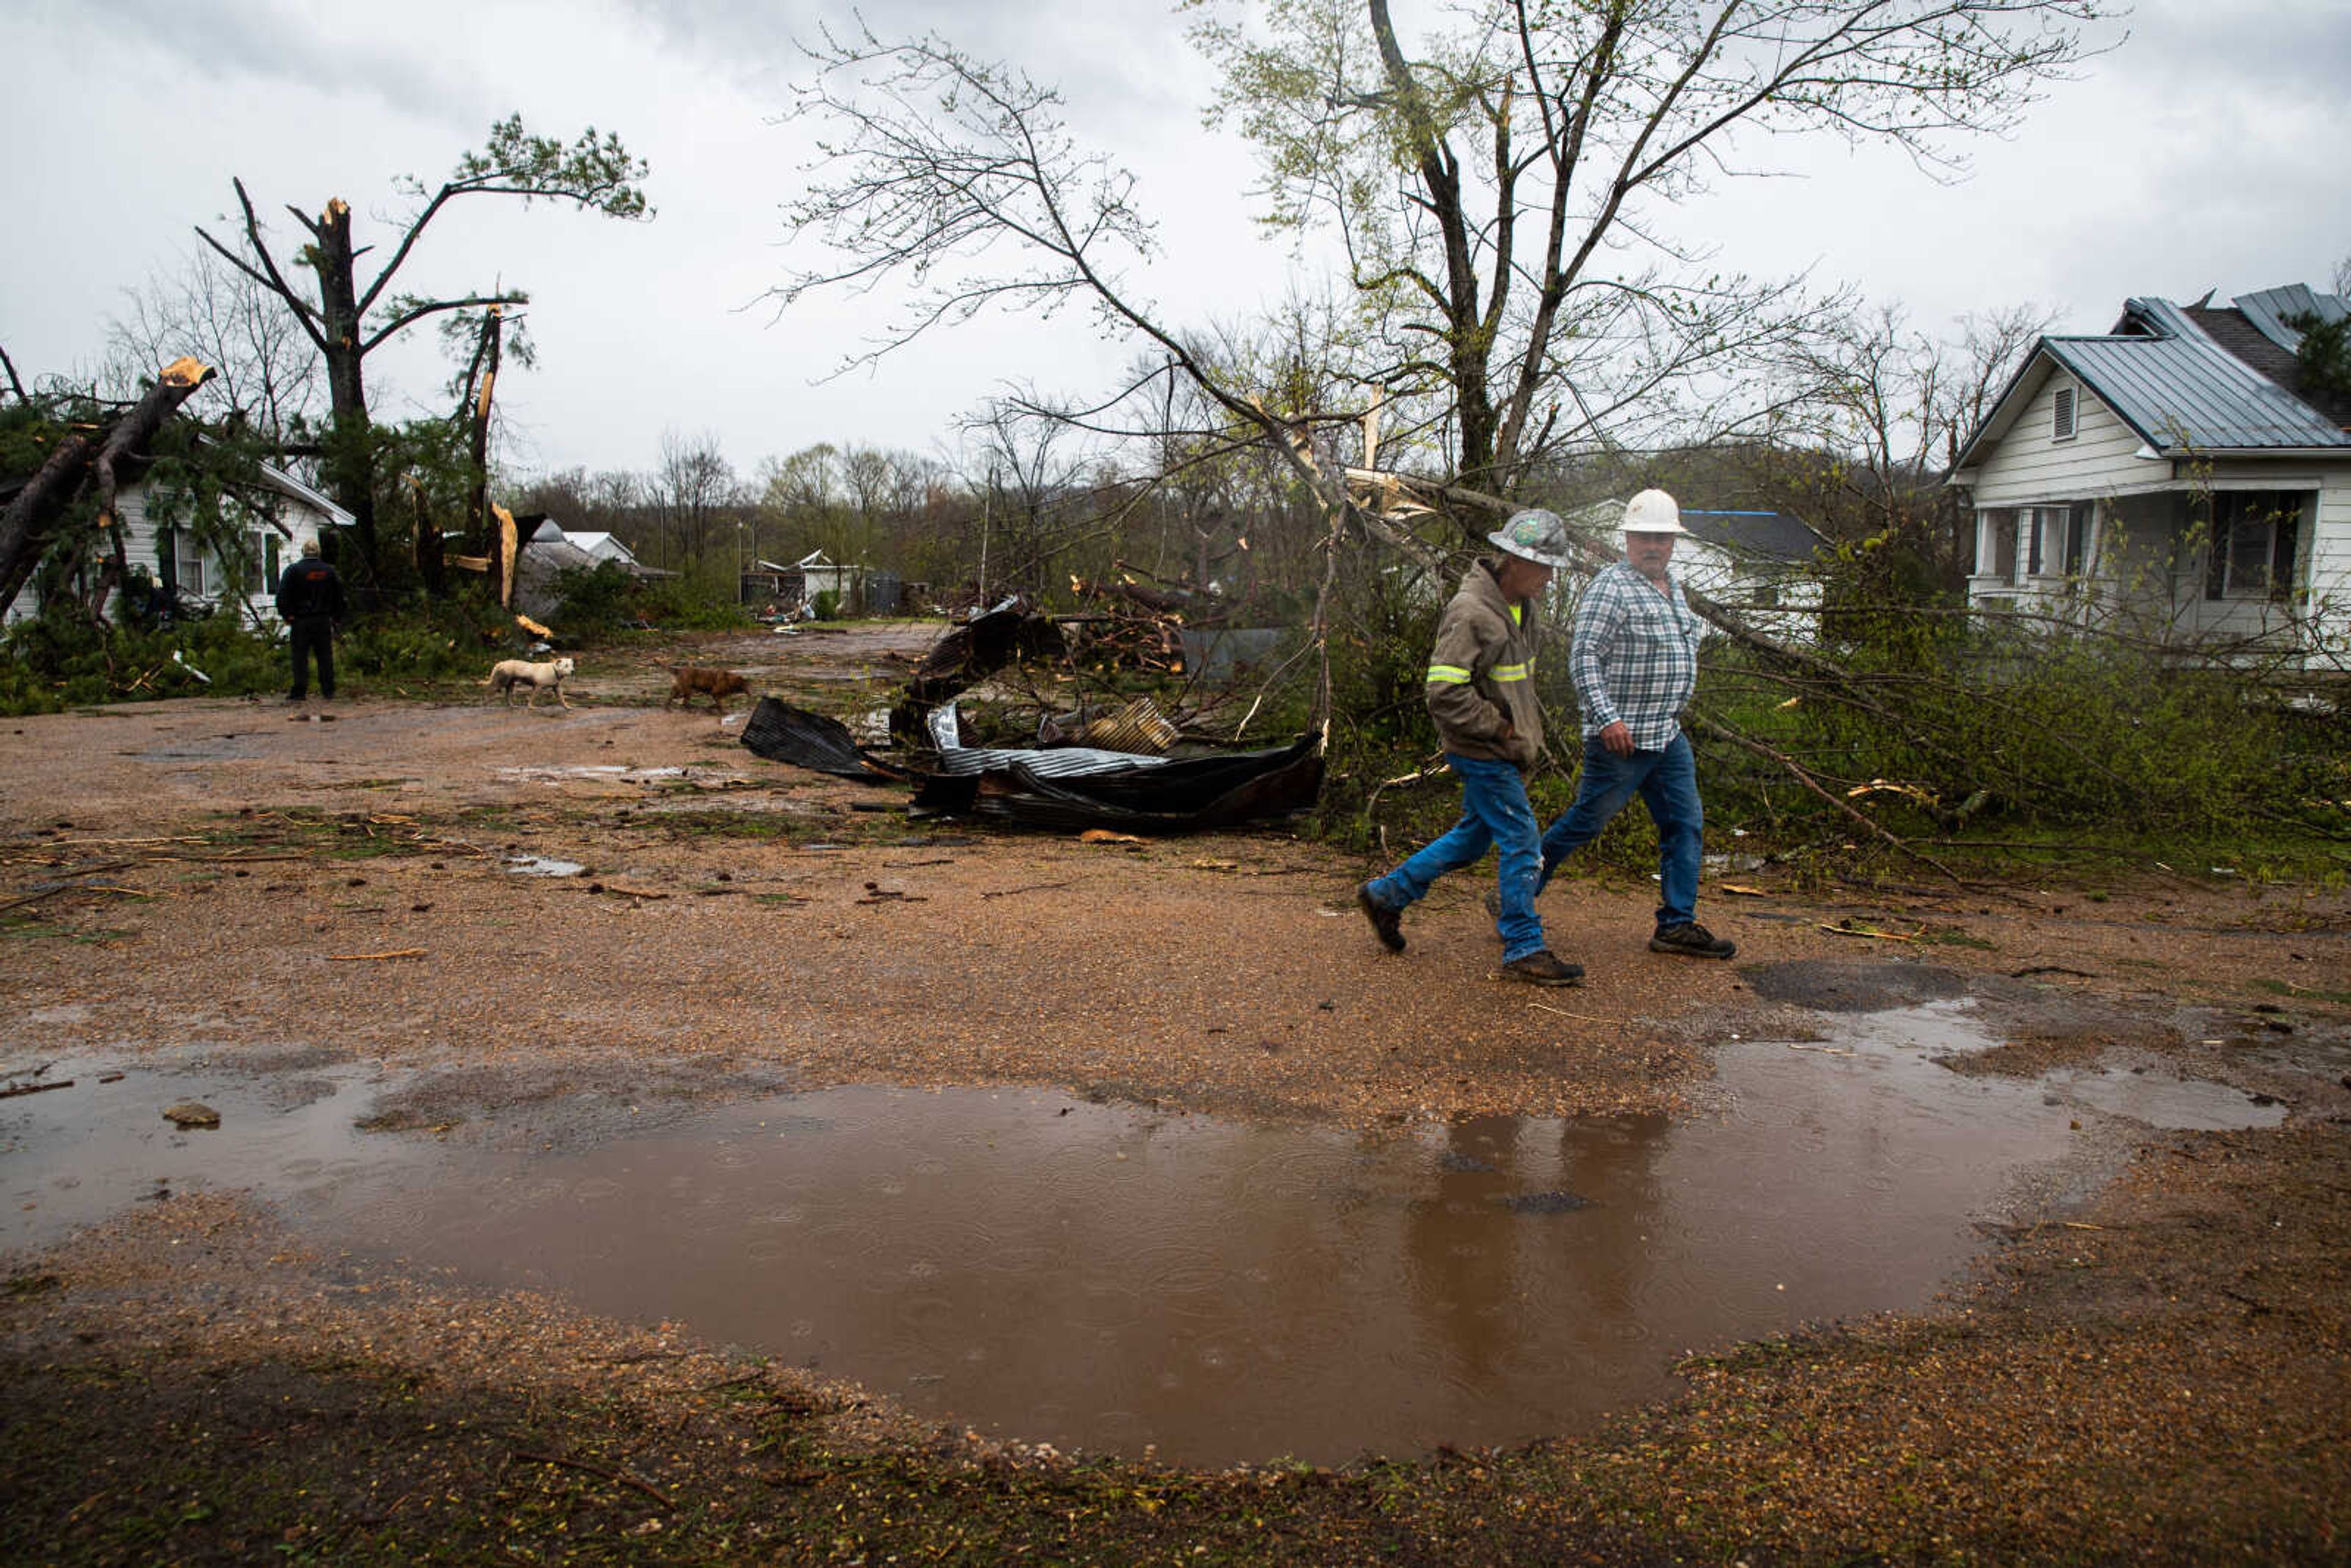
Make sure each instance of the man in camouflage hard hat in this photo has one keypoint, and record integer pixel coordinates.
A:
(1634, 657)
(1481, 693)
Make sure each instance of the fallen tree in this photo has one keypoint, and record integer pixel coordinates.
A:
(83, 460)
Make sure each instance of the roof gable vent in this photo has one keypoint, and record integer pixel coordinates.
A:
(2061, 407)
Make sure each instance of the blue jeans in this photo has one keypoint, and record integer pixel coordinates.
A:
(1494, 811)
(1668, 781)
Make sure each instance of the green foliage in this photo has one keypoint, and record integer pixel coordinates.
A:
(594, 171)
(2322, 359)
(421, 642)
(826, 605)
(593, 601)
(61, 659)
(2023, 733)
(596, 602)
(675, 603)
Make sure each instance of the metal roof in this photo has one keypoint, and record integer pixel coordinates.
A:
(2176, 385)
(1776, 536)
(2178, 388)
(2267, 310)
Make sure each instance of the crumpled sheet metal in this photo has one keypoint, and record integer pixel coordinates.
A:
(782, 733)
(1062, 787)
(1129, 794)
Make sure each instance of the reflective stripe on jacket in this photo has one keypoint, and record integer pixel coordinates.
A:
(1482, 675)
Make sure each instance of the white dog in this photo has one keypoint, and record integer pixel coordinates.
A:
(508, 673)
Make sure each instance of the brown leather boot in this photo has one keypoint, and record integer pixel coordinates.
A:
(1545, 969)
(1388, 923)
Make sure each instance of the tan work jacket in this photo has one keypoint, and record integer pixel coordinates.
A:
(1481, 684)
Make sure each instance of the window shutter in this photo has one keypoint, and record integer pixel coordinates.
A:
(2282, 551)
(2216, 567)
(2064, 406)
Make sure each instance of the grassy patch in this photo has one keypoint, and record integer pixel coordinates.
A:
(2301, 993)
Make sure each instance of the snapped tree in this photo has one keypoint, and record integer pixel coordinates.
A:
(1487, 184)
(345, 320)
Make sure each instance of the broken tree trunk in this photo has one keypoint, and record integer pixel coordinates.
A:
(482, 377)
(30, 522)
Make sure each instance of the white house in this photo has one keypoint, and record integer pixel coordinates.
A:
(1758, 564)
(2175, 477)
(274, 522)
(599, 547)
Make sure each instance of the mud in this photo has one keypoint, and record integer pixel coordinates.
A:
(207, 886)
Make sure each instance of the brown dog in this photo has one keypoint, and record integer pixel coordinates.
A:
(508, 673)
(718, 684)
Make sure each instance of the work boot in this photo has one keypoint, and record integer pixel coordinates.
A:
(1542, 968)
(1692, 941)
(1388, 923)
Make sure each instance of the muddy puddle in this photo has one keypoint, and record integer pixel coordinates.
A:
(1212, 1291)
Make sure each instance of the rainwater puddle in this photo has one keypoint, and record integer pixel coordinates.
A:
(553, 775)
(1110, 1279)
(73, 1155)
(2160, 1100)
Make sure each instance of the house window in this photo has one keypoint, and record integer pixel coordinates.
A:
(2254, 534)
(2062, 414)
(272, 561)
(188, 563)
(2077, 539)
(1996, 544)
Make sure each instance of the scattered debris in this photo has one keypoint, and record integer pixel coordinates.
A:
(192, 1113)
(1059, 788)
(781, 733)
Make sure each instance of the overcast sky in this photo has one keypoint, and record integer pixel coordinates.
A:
(2205, 152)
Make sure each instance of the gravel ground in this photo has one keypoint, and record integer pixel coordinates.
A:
(2159, 1376)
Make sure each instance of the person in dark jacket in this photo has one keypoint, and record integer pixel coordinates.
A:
(1480, 694)
(309, 600)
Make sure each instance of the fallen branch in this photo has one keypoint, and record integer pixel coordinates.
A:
(1797, 771)
(70, 887)
(1871, 931)
(374, 958)
(1032, 887)
(35, 1088)
(624, 891)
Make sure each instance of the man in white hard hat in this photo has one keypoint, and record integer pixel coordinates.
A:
(1481, 693)
(1634, 662)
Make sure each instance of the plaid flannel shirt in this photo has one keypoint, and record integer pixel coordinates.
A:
(1634, 657)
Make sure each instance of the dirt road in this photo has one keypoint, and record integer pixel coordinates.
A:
(366, 880)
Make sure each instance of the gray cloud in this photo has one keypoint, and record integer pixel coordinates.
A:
(285, 45)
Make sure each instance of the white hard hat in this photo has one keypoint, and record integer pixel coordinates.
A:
(1653, 512)
(1534, 535)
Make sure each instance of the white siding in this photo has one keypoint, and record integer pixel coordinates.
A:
(2330, 564)
(141, 549)
(2030, 466)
